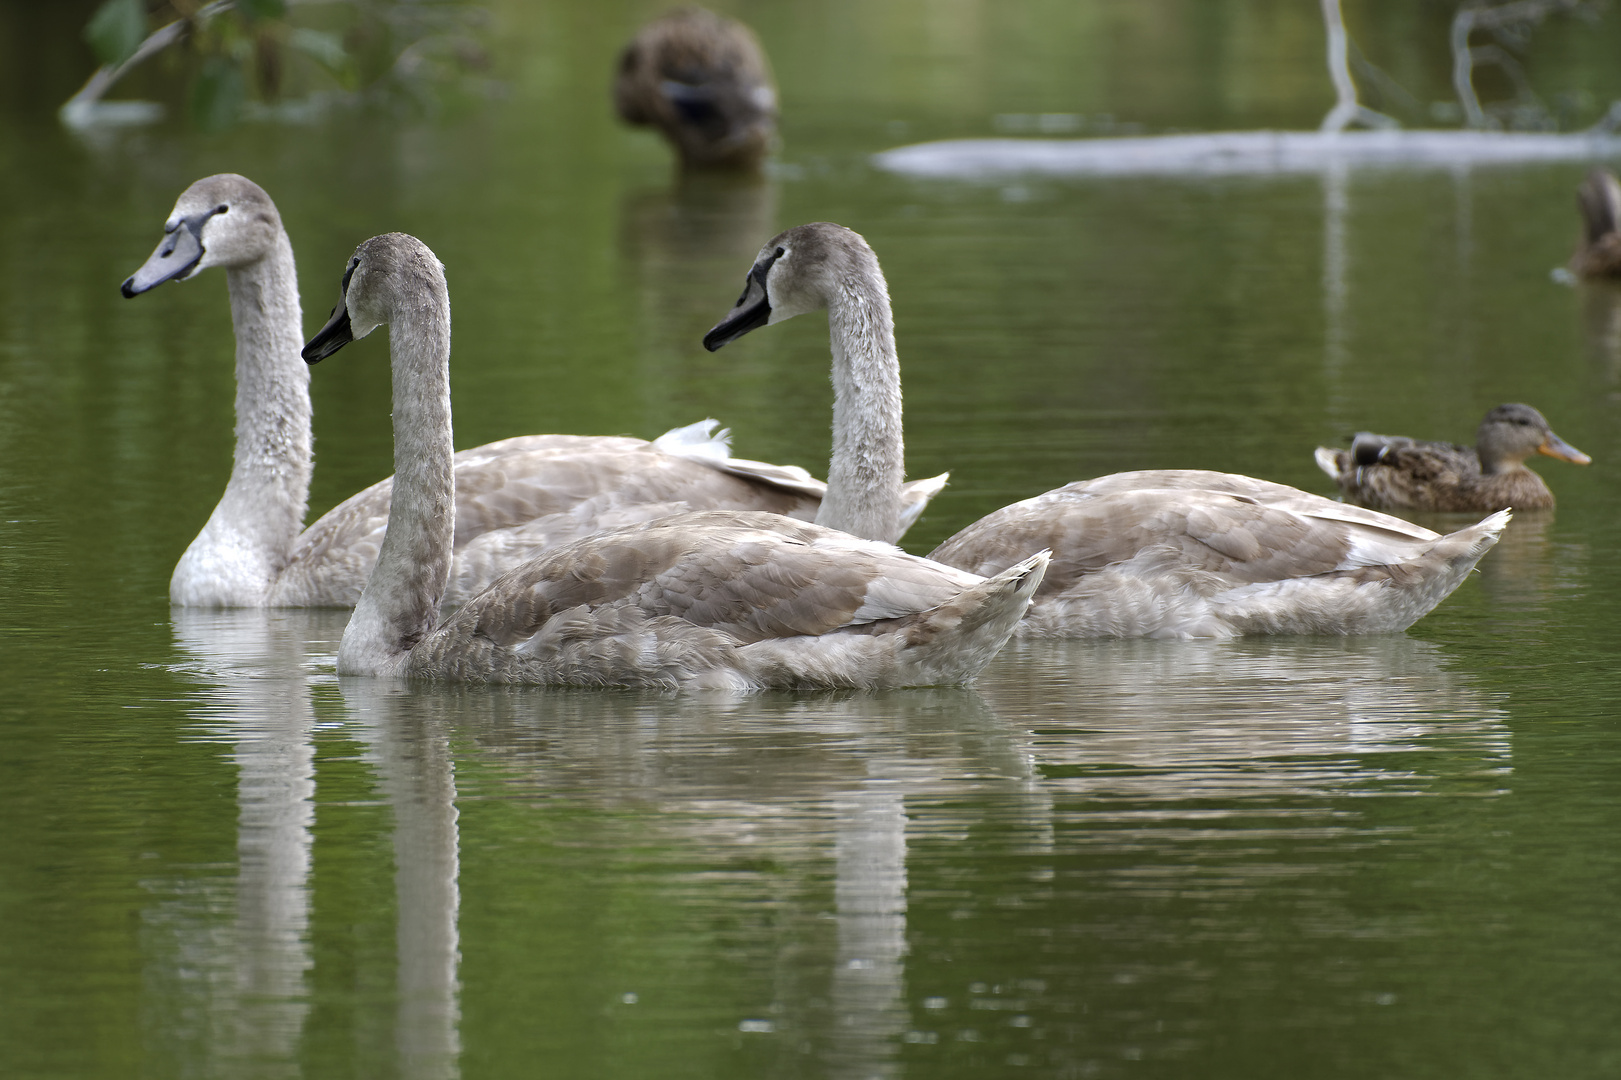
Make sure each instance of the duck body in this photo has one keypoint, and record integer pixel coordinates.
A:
(1202, 555)
(704, 83)
(1398, 473)
(1598, 254)
(518, 496)
(736, 600)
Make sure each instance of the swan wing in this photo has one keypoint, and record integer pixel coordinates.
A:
(1236, 537)
(749, 578)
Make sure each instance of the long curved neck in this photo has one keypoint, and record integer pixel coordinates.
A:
(869, 455)
(401, 602)
(244, 546)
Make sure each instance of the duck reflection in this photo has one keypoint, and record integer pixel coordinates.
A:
(1601, 326)
(687, 243)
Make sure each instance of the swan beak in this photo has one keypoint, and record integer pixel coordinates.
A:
(1555, 447)
(180, 250)
(330, 338)
(753, 311)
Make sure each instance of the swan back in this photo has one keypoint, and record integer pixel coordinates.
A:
(704, 82)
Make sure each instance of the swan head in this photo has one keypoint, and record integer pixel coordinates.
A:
(224, 220)
(1511, 433)
(385, 275)
(797, 271)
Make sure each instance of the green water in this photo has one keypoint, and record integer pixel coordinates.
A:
(1378, 857)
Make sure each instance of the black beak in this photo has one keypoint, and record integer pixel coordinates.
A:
(753, 310)
(180, 250)
(331, 337)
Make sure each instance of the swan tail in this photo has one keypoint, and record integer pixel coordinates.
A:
(705, 441)
(1434, 576)
(915, 496)
(951, 643)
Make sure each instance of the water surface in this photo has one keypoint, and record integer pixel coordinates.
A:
(1386, 856)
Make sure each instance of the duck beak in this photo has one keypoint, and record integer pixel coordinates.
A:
(180, 250)
(753, 311)
(1555, 447)
(330, 338)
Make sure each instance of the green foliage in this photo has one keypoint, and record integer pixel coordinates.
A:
(262, 9)
(243, 58)
(217, 94)
(116, 30)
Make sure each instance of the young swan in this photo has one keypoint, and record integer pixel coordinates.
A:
(1399, 473)
(1182, 553)
(516, 497)
(704, 82)
(738, 600)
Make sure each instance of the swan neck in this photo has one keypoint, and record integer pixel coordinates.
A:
(400, 604)
(244, 546)
(864, 475)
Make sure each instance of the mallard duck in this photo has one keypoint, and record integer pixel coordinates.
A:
(1163, 554)
(734, 600)
(704, 82)
(1599, 200)
(1397, 473)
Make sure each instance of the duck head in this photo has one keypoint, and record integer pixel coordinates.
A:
(1511, 433)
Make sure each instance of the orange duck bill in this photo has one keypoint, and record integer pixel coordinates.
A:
(1555, 447)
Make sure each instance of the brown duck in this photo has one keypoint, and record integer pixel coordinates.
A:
(704, 82)
(1599, 200)
(1397, 473)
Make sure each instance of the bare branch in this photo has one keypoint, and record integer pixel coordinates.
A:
(1347, 109)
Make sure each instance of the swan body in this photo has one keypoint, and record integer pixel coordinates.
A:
(1398, 473)
(1599, 200)
(717, 599)
(1210, 559)
(704, 82)
(1185, 553)
(518, 496)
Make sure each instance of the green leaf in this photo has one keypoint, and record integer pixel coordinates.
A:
(262, 9)
(325, 49)
(116, 30)
(217, 94)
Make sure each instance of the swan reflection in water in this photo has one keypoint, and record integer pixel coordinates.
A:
(847, 798)
(257, 671)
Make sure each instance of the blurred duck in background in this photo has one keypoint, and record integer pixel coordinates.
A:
(514, 498)
(1397, 473)
(704, 82)
(1168, 554)
(1599, 200)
